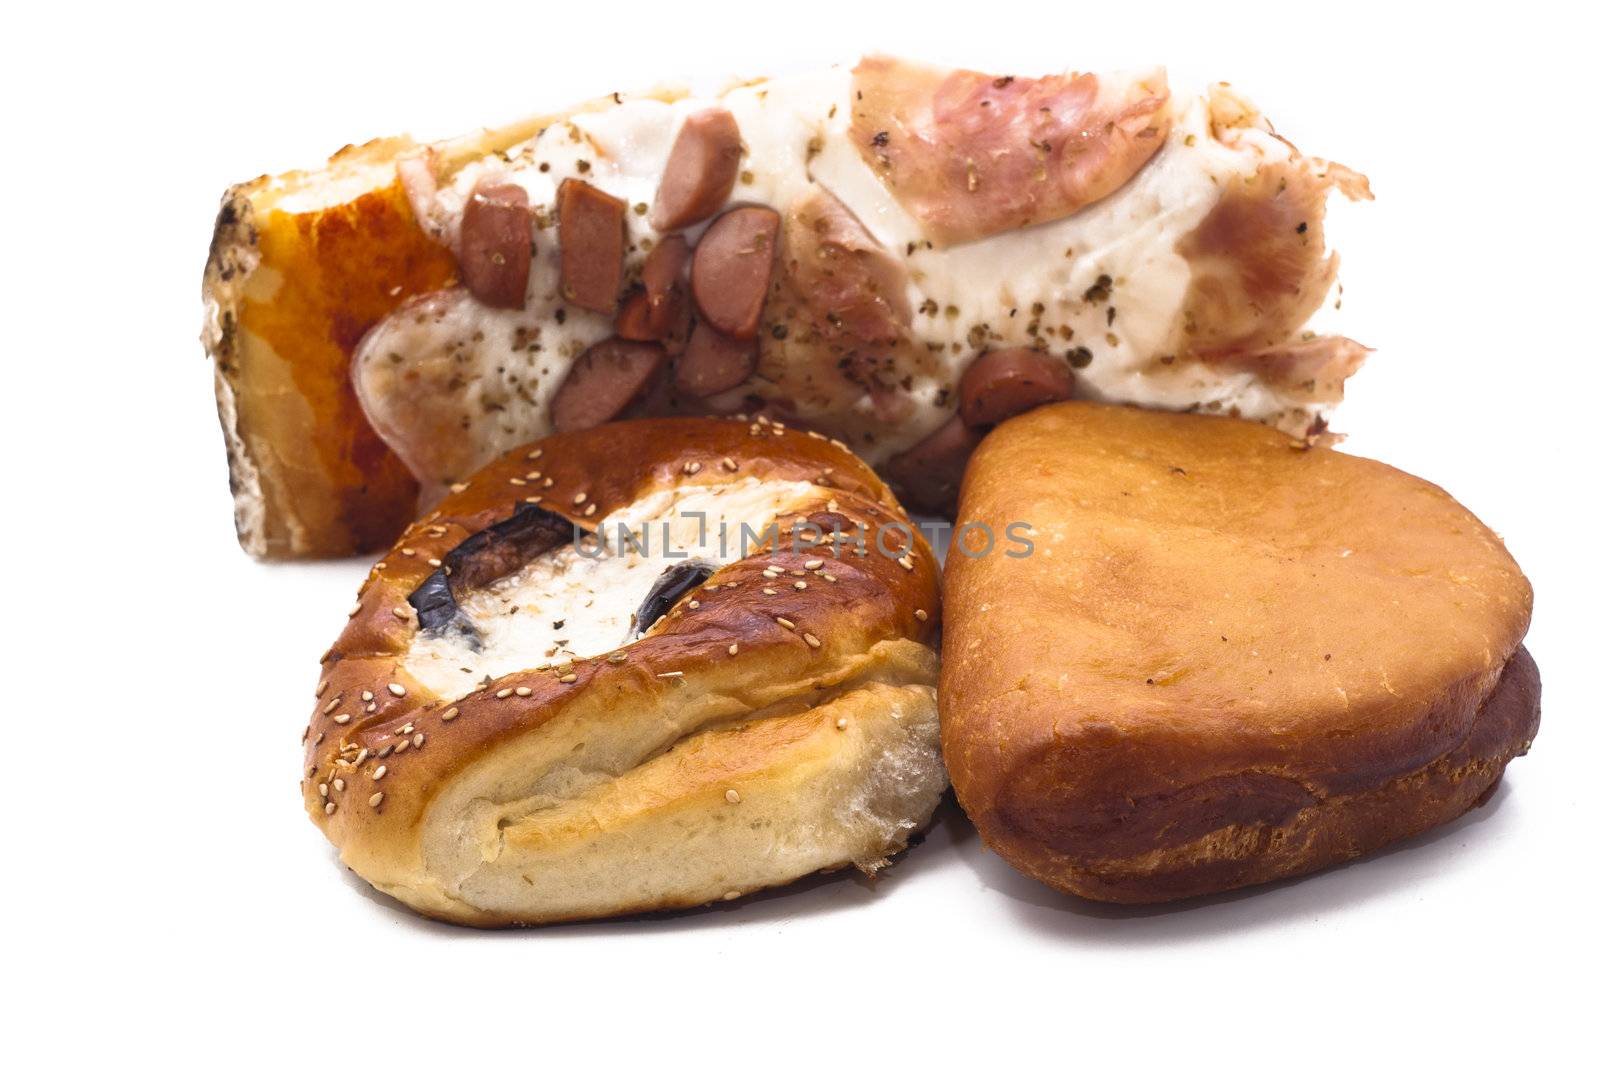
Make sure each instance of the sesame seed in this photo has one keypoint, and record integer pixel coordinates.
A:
(333, 704)
(375, 799)
(733, 648)
(361, 756)
(416, 741)
(338, 784)
(814, 563)
(580, 498)
(396, 689)
(799, 585)
(457, 488)
(408, 552)
(366, 697)
(905, 563)
(322, 686)
(568, 678)
(435, 562)
(842, 724)
(731, 894)
(330, 808)
(830, 578)
(383, 752)
(341, 718)
(536, 455)
(450, 715)
(785, 622)
(671, 673)
(589, 510)
(517, 481)
(730, 464)
(812, 640)
(377, 775)
(354, 610)
(503, 693)
(732, 795)
(400, 612)
(694, 604)
(524, 691)
(768, 591)
(921, 614)
(617, 656)
(692, 467)
(535, 475)
(323, 788)
(401, 746)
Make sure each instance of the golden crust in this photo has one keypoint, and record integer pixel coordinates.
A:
(498, 808)
(1229, 658)
(300, 266)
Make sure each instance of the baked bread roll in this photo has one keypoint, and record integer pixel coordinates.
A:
(517, 727)
(896, 254)
(1228, 658)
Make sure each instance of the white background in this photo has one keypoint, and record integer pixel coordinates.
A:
(166, 895)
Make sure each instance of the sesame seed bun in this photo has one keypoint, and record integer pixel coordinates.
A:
(777, 719)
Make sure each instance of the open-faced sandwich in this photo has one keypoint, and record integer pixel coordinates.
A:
(893, 254)
(579, 688)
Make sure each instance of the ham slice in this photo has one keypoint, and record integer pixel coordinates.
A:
(1311, 369)
(971, 155)
(854, 288)
(1258, 264)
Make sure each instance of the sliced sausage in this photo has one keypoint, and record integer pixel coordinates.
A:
(633, 318)
(604, 380)
(664, 266)
(659, 310)
(497, 244)
(732, 268)
(1002, 383)
(664, 286)
(593, 237)
(700, 171)
(928, 476)
(713, 362)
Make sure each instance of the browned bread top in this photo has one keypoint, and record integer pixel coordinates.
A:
(1217, 630)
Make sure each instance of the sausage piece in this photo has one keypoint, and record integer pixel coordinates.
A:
(593, 237)
(604, 380)
(928, 476)
(497, 244)
(1003, 383)
(713, 362)
(700, 171)
(658, 311)
(732, 267)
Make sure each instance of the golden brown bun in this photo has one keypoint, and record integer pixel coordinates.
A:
(614, 785)
(1228, 659)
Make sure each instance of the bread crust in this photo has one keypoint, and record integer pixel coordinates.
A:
(603, 788)
(300, 266)
(1230, 659)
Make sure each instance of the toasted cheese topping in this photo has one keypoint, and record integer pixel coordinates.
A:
(580, 601)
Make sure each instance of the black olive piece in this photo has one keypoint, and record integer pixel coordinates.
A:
(673, 584)
(484, 557)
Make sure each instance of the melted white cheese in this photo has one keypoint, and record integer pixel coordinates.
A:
(580, 602)
(997, 291)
